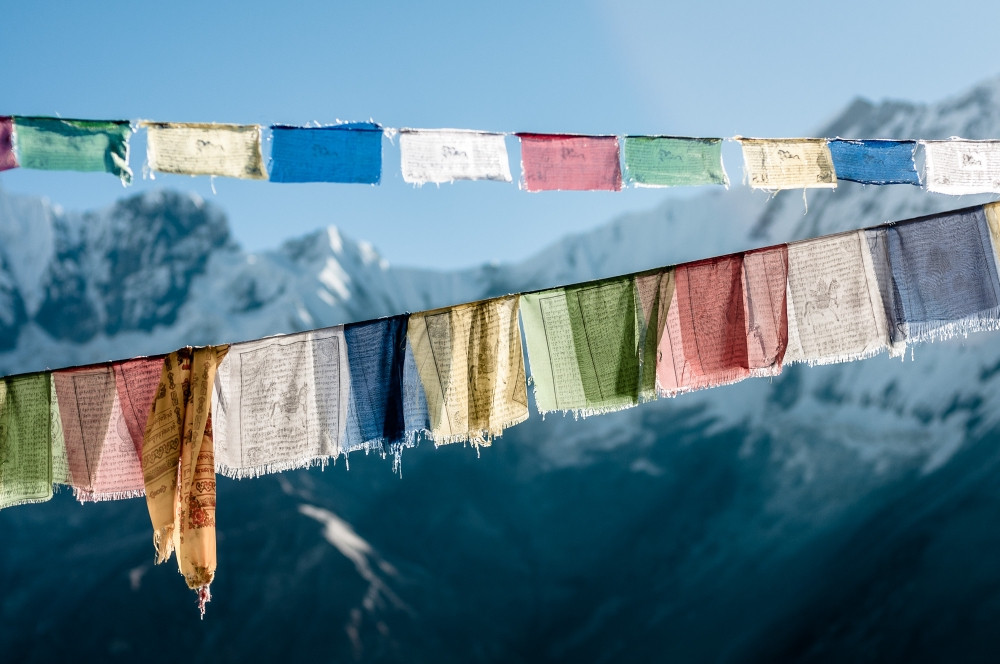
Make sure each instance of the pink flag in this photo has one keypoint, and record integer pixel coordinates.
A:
(7, 157)
(136, 381)
(102, 458)
(568, 162)
(705, 340)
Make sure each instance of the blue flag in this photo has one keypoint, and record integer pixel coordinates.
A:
(339, 153)
(874, 161)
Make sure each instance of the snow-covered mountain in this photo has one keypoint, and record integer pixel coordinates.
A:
(832, 513)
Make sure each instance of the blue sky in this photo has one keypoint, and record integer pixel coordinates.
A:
(702, 69)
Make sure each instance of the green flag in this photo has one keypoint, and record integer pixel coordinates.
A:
(583, 346)
(54, 144)
(663, 161)
(25, 440)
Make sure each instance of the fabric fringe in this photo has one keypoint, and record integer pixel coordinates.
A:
(584, 413)
(204, 597)
(840, 359)
(254, 472)
(730, 378)
(931, 332)
(27, 501)
(163, 543)
(479, 437)
(90, 496)
(767, 372)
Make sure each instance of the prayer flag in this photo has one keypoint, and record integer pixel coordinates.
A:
(102, 456)
(874, 161)
(788, 163)
(654, 292)
(60, 460)
(704, 343)
(471, 365)
(387, 406)
(349, 152)
(281, 403)
(765, 286)
(570, 162)
(835, 310)
(136, 381)
(55, 144)
(665, 161)
(583, 346)
(205, 149)
(446, 155)
(25, 440)
(959, 166)
(178, 464)
(8, 159)
(944, 275)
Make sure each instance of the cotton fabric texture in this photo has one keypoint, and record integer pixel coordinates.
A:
(387, 407)
(874, 161)
(583, 346)
(178, 464)
(943, 275)
(960, 166)
(704, 342)
(56, 144)
(188, 148)
(103, 458)
(835, 307)
(25, 440)
(666, 161)
(281, 403)
(446, 155)
(471, 365)
(788, 163)
(570, 162)
(350, 152)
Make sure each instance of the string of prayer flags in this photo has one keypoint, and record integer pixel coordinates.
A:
(835, 309)
(387, 407)
(446, 155)
(25, 440)
(350, 152)
(788, 163)
(704, 343)
(570, 162)
(666, 161)
(102, 457)
(55, 144)
(281, 403)
(470, 362)
(765, 288)
(944, 275)
(189, 148)
(959, 166)
(8, 159)
(583, 346)
(874, 161)
(178, 465)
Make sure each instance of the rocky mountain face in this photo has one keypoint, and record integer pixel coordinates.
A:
(831, 513)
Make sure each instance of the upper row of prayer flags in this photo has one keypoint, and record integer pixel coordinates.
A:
(352, 153)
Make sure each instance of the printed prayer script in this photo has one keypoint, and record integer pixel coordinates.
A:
(205, 149)
(281, 403)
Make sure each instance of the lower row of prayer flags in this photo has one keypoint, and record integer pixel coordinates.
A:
(352, 153)
(164, 426)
